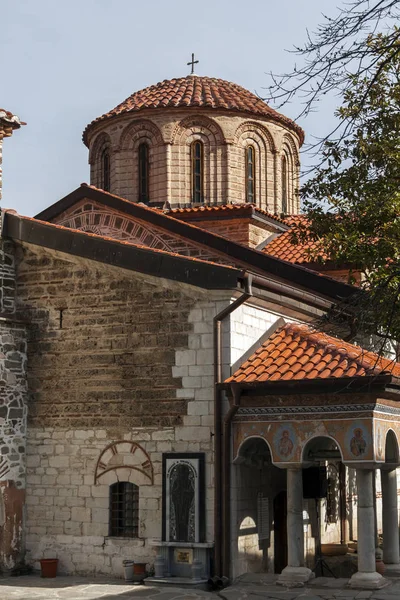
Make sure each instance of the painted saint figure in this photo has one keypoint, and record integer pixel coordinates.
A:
(182, 508)
(357, 443)
(285, 444)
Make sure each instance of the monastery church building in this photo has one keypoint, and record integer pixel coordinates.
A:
(165, 393)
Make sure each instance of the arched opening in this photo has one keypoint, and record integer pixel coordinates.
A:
(259, 505)
(105, 172)
(143, 168)
(324, 490)
(391, 448)
(285, 184)
(197, 157)
(250, 174)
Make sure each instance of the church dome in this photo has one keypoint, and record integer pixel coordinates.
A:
(197, 92)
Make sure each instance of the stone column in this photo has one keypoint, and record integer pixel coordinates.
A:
(390, 521)
(366, 576)
(295, 572)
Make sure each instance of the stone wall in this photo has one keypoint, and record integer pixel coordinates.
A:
(248, 325)
(113, 358)
(240, 230)
(101, 344)
(13, 413)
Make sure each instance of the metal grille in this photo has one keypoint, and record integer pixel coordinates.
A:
(124, 509)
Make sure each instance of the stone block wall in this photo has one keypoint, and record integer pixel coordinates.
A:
(7, 277)
(240, 230)
(248, 325)
(13, 414)
(112, 357)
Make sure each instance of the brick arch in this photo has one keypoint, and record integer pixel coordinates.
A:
(250, 132)
(135, 132)
(199, 123)
(124, 459)
(210, 134)
(258, 128)
(117, 226)
(289, 150)
(102, 141)
(288, 141)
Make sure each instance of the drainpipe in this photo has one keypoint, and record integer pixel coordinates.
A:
(226, 513)
(217, 334)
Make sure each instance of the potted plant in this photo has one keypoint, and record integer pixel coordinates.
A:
(48, 567)
(139, 571)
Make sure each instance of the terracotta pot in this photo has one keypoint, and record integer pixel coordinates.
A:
(139, 568)
(334, 549)
(49, 567)
(380, 567)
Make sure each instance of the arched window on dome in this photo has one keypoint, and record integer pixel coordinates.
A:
(105, 170)
(197, 153)
(250, 174)
(143, 156)
(285, 184)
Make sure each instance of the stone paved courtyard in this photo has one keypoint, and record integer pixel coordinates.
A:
(249, 587)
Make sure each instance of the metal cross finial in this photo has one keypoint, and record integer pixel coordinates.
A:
(192, 62)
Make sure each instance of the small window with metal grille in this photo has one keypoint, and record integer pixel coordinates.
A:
(124, 510)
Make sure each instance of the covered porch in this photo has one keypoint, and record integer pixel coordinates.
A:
(301, 462)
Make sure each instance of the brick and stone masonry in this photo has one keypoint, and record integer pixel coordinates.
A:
(13, 415)
(115, 360)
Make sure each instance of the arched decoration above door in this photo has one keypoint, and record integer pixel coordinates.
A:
(124, 455)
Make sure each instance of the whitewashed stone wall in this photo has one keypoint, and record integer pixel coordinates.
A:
(67, 512)
(248, 325)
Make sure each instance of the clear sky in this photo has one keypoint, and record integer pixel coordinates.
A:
(65, 63)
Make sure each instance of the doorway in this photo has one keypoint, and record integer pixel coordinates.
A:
(280, 532)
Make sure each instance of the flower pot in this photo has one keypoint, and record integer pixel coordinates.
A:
(139, 568)
(334, 549)
(139, 572)
(380, 566)
(49, 567)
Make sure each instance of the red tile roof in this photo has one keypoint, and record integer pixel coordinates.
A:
(283, 247)
(209, 211)
(300, 352)
(122, 242)
(8, 122)
(194, 91)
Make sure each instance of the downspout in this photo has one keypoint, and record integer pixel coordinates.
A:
(226, 513)
(217, 335)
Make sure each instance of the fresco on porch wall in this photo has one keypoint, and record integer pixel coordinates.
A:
(381, 429)
(287, 440)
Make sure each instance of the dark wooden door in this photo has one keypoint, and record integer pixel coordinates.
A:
(280, 532)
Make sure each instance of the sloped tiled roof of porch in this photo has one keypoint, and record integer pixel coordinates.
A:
(299, 352)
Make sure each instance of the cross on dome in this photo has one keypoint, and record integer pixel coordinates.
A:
(192, 62)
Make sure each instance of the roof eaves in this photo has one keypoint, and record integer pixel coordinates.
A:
(337, 385)
(121, 254)
(295, 274)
